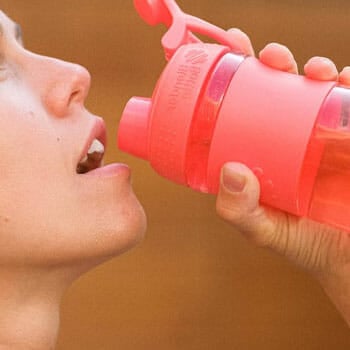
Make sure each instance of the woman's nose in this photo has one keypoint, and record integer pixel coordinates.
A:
(63, 85)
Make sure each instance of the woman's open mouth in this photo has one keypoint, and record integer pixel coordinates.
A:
(91, 156)
(93, 159)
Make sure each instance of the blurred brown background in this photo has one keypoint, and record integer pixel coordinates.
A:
(194, 283)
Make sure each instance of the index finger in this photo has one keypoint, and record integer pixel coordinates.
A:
(242, 43)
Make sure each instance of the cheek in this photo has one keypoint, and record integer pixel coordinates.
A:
(30, 155)
(31, 174)
(26, 141)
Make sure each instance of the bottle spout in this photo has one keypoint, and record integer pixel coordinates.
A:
(133, 127)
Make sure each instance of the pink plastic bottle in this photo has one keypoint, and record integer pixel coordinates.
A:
(212, 106)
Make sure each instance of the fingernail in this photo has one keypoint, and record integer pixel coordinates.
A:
(232, 180)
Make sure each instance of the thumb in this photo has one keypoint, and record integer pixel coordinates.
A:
(238, 203)
(307, 243)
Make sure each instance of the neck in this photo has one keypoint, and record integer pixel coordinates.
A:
(29, 304)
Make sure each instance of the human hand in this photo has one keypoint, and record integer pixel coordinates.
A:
(324, 251)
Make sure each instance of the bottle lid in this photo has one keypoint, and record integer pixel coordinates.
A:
(157, 129)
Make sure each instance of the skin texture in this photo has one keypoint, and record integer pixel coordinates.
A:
(319, 249)
(55, 224)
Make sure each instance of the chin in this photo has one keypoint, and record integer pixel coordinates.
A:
(96, 230)
(108, 242)
(128, 232)
(119, 229)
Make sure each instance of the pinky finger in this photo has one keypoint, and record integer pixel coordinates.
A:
(344, 77)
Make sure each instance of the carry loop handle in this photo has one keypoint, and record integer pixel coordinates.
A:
(182, 27)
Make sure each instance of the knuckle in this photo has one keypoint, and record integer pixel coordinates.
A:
(231, 213)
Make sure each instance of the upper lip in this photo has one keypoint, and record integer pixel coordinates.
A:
(98, 131)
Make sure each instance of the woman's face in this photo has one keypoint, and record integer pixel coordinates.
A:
(51, 210)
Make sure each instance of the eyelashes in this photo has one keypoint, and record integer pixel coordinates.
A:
(19, 33)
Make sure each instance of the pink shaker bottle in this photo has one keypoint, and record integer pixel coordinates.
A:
(211, 106)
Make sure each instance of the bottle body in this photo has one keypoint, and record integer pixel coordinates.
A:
(323, 183)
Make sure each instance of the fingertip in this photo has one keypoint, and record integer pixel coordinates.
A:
(241, 42)
(239, 190)
(321, 68)
(240, 205)
(278, 56)
(344, 76)
(242, 173)
(233, 178)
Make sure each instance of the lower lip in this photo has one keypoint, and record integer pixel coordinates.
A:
(111, 170)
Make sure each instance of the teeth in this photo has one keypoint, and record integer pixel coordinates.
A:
(97, 147)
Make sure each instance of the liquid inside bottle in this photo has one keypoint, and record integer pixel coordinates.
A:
(330, 148)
